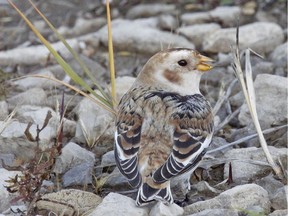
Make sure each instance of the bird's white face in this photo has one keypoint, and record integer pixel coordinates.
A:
(177, 70)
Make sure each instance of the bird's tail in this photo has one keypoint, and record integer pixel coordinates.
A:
(147, 194)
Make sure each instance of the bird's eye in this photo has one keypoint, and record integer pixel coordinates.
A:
(182, 62)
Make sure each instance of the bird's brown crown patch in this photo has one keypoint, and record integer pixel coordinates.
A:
(172, 77)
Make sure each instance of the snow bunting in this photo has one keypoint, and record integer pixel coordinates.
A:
(164, 124)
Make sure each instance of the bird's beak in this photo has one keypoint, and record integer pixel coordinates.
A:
(203, 64)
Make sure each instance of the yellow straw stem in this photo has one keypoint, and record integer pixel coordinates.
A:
(111, 55)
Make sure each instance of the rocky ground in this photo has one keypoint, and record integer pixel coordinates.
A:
(234, 178)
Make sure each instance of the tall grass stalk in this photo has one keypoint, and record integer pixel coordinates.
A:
(249, 93)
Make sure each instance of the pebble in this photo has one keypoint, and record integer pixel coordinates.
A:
(240, 197)
(33, 96)
(70, 201)
(117, 204)
(149, 10)
(73, 155)
(261, 37)
(269, 89)
(149, 39)
(197, 32)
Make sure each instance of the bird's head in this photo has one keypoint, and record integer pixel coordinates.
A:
(176, 69)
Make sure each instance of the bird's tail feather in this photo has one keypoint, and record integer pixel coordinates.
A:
(147, 194)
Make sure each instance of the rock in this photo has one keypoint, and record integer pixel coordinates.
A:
(78, 175)
(279, 213)
(38, 115)
(34, 96)
(167, 22)
(225, 15)
(279, 56)
(82, 26)
(250, 163)
(7, 159)
(117, 204)
(15, 129)
(270, 184)
(70, 201)
(5, 196)
(195, 18)
(137, 36)
(73, 155)
(160, 209)
(266, 88)
(216, 212)
(262, 37)
(239, 198)
(148, 10)
(108, 159)
(116, 180)
(279, 200)
(123, 85)
(3, 110)
(262, 68)
(94, 124)
(26, 55)
(37, 82)
(197, 32)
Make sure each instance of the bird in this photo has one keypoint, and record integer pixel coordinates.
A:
(164, 124)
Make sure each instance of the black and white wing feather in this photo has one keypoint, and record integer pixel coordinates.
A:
(127, 140)
(193, 123)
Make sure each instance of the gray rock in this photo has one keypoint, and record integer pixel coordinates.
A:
(78, 175)
(250, 163)
(16, 129)
(279, 213)
(116, 204)
(195, 18)
(271, 92)
(108, 159)
(279, 200)
(142, 37)
(37, 115)
(148, 10)
(73, 155)
(36, 82)
(279, 56)
(93, 122)
(225, 15)
(116, 180)
(70, 201)
(270, 184)
(197, 32)
(160, 209)
(262, 68)
(262, 37)
(240, 197)
(5, 196)
(167, 22)
(3, 110)
(7, 159)
(34, 96)
(216, 212)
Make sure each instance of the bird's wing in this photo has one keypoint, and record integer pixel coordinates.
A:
(193, 123)
(127, 140)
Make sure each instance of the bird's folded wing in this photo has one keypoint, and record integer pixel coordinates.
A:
(192, 135)
(127, 142)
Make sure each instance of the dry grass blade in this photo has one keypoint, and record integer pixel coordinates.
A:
(7, 120)
(104, 106)
(249, 93)
(66, 67)
(74, 54)
(111, 54)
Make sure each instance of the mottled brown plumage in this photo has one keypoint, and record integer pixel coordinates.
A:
(164, 124)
